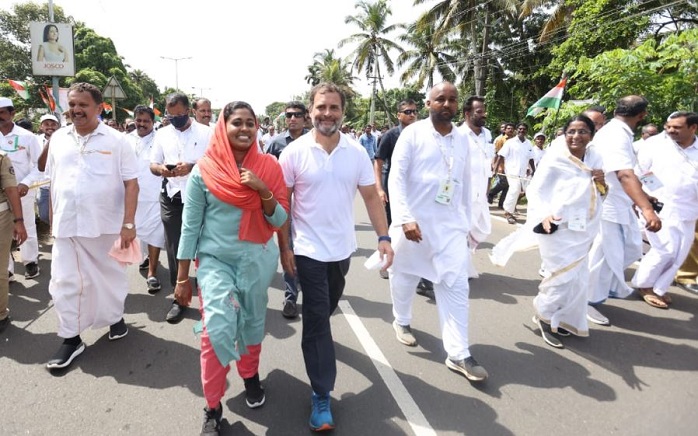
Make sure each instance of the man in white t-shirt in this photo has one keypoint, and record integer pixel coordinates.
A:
(323, 170)
(648, 131)
(517, 156)
(619, 242)
(176, 148)
(267, 137)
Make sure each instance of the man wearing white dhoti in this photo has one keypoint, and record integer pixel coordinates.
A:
(668, 167)
(94, 192)
(148, 222)
(481, 155)
(619, 243)
(517, 156)
(23, 149)
(430, 204)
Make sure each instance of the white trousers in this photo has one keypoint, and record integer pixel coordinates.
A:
(615, 248)
(512, 194)
(451, 302)
(29, 250)
(669, 248)
(87, 285)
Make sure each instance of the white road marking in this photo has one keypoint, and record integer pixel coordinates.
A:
(415, 417)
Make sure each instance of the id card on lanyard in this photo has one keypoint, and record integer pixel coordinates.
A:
(446, 187)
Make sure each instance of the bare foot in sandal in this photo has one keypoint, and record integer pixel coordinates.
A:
(652, 299)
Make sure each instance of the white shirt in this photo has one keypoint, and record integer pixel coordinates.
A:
(537, 155)
(23, 149)
(324, 186)
(516, 154)
(149, 184)
(171, 146)
(266, 139)
(614, 142)
(87, 181)
(481, 155)
(677, 171)
(419, 166)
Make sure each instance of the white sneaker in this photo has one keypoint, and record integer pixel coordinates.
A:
(593, 315)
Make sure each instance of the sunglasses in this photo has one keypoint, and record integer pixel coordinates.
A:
(409, 111)
(294, 115)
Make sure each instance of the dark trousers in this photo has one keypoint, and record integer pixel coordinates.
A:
(501, 185)
(290, 280)
(323, 285)
(384, 180)
(171, 215)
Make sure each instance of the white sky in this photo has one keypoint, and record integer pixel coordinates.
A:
(252, 50)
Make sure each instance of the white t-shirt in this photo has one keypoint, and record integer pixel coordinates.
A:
(324, 186)
(171, 146)
(149, 184)
(516, 154)
(614, 142)
(87, 181)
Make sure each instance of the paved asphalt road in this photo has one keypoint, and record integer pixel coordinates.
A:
(637, 377)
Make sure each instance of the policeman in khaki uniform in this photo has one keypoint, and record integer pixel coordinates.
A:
(11, 226)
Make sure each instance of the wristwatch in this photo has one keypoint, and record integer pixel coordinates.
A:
(129, 226)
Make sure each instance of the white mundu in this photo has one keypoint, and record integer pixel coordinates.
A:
(676, 170)
(149, 226)
(516, 154)
(423, 162)
(23, 149)
(87, 175)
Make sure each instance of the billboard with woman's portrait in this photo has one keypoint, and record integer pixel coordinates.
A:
(52, 49)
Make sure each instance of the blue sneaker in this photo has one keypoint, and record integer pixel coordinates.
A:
(321, 415)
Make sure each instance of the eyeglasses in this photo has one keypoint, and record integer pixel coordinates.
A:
(294, 115)
(409, 111)
(582, 132)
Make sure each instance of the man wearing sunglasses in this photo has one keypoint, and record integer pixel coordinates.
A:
(295, 114)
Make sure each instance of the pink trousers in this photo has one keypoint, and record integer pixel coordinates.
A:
(213, 374)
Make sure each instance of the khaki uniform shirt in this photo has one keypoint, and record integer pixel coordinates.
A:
(7, 175)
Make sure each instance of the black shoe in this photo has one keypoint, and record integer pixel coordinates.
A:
(212, 421)
(11, 277)
(690, 287)
(118, 330)
(426, 289)
(154, 285)
(254, 392)
(290, 309)
(547, 335)
(175, 314)
(144, 266)
(31, 270)
(65, 355)
(4, 324)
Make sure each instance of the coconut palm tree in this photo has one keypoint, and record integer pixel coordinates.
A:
(373, 47)
(328, 68)
(428, 56)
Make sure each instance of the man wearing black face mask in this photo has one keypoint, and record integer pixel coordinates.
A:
(176, 148)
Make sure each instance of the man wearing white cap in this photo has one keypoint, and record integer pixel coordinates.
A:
(23, 149)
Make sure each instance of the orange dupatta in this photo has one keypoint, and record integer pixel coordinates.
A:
(222, 177)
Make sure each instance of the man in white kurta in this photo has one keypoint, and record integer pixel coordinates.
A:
(668, 167)
(23, 149)
(94, 192)
(619, 243)
(430, 204)
(481, 155)
(148, 223)
(517, 154)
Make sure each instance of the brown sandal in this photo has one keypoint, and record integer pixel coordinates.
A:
(652, 299)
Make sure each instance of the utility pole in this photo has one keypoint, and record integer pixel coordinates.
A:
(176, 61)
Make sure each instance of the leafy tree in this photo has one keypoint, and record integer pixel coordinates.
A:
(373, 47)
(429, 56)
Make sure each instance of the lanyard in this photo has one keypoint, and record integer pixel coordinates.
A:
(15, 148)
(447, 158)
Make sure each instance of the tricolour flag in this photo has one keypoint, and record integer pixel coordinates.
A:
(550, 100)
(107, 107)
(130, 113)
(20, 87)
